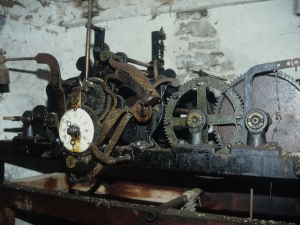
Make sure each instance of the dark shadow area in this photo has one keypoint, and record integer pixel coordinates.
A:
(297, 7)
(40, 73)
(14, 130)
(4, 88)
(36, 218)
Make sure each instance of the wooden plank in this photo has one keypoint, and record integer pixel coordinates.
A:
(7, 216)
(91, 210)
(51, 181)
(132, 190)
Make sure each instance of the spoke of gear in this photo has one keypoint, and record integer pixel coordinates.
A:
(200, 85)
(276, 94)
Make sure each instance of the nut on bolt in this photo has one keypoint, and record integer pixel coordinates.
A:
(175, 95)
(167, 122)
(53, 81)
(73, 98)
(70, 162)
(199, 83)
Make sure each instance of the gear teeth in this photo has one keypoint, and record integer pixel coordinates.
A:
(108, 106)
(105, 103)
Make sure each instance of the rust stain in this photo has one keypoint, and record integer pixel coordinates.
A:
(155, 193)
(167, 1)
(50, 183)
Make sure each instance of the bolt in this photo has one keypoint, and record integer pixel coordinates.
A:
(175, 96)
(229, 146)
(73, 98)
(53, 81)
(199, 83)
(167, 122)
(155, 110)
(238, 117)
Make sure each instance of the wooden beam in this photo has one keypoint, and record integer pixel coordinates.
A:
(51, 181)
(91, 210)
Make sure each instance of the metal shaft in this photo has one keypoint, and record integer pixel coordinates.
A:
(88, 39)
(12, 118)
(19, 59)
(134, 61)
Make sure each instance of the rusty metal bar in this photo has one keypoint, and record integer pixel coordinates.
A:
(12, 118)
(88, 40)
(19, 59)
(134, 61)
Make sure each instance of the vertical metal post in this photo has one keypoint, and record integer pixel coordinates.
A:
(88, 39)
(251, 203)
(270, 201)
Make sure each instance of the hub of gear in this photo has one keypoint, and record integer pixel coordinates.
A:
(199, 88)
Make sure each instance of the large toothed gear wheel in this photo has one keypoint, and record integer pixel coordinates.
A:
(277, 94)
(199, 88)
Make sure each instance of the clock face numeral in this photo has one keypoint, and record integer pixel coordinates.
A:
(83, 121)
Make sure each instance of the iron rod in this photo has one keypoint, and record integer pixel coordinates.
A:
(88, 39)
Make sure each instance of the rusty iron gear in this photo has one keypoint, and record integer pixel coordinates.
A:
(277, 94)
(95, 97)
(136, 80)
(105, 105)
(200, 85)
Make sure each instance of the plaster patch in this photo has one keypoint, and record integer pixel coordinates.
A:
(52, 32)
(199, 47)
(197, 29)
(2, 21)
(44, 3)
(203, 45)
(14, 17)
(195, 15)
(29, 17)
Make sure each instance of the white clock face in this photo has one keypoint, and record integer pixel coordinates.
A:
(81, 120)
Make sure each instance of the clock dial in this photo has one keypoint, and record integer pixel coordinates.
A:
(76, 130)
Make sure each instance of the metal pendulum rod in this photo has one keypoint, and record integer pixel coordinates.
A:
(251, 203)
(270, 201)
(88, 39)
